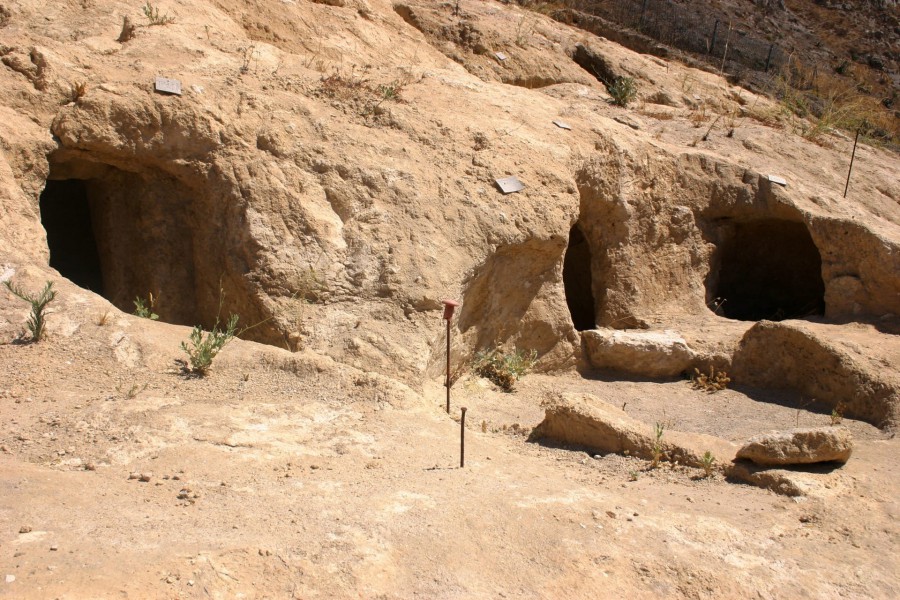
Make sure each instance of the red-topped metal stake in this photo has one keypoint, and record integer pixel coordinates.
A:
(449, 308)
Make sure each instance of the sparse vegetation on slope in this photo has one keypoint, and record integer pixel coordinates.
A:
(37, 319)
(504, 368)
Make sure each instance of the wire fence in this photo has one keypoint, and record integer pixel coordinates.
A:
(729, 46)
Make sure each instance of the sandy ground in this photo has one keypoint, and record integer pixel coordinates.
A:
(286, 475)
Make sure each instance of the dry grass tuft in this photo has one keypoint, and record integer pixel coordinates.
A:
(711, 382)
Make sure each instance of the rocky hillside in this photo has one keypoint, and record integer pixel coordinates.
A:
(330, 172)
(838, 57)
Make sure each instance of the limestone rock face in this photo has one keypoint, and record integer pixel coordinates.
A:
(799, 446)
(585, 420)
(650, 353)
(328, 175)
(801, 356)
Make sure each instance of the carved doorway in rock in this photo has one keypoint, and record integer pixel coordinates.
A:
(768, 269)
(122, 235)
(578, 281)
(66, 216)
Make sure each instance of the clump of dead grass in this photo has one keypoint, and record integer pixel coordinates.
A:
(820, 103)
(712, 382)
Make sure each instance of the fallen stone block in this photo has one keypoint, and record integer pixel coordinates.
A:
(799, 446)
(585, 420)
(648, 353)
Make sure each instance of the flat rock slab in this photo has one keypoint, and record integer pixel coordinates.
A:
(799, 446)
(648, 353)
(788, 482)
(585, 420)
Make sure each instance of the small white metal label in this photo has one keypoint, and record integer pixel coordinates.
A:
(509, 185)
(500, 56)
(776, 179)
(168, 86)
(562, 124)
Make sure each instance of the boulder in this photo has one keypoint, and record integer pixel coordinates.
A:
(799, 446)
(585, 420)
(648, 353)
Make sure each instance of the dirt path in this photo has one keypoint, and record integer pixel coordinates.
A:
(293, 475)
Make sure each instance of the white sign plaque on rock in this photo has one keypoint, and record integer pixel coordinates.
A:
(777, 179)
(562, 124)
(500, 56)
(168, 86)
(509, 185)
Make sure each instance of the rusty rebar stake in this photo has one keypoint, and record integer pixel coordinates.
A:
(462, 438)
(449, 308)
(448, 367)
(850, 171)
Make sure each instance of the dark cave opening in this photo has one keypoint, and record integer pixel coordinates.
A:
(578, 282)
(124, 235)
(768, 269)
(66, 216)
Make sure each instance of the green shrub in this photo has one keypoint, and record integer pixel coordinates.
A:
(657, 449)
(504, 368)
(38, 317)
(144, 308)
(152, 14)
(623, 90)
(707, 463)
(202, 349)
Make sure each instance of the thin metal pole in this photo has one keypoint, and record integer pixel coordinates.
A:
(448, 367)
(712, 45)
(852, 156)
(727, 41)
(462, 438)
(769, 57)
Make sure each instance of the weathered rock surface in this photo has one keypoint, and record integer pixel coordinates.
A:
(799, 446)
(330, 169)
(649, 353)
(854, 368)
(585, 420)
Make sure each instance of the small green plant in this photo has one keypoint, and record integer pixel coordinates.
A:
(657, 449)
(202, 349)
(392, 90)
(144, 308)
(837, 414)
(707, 463)
(37, 320)
(504, 368)
(623, 90)
(633, 476)
(152, 14)
(130, 392)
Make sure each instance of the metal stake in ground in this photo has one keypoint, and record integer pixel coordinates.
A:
(852, 156)
(449, 307)
(462, 438)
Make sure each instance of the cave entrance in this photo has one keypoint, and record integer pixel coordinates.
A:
(578, 282)
(125, 235)
(66, 216)
(769, 269)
